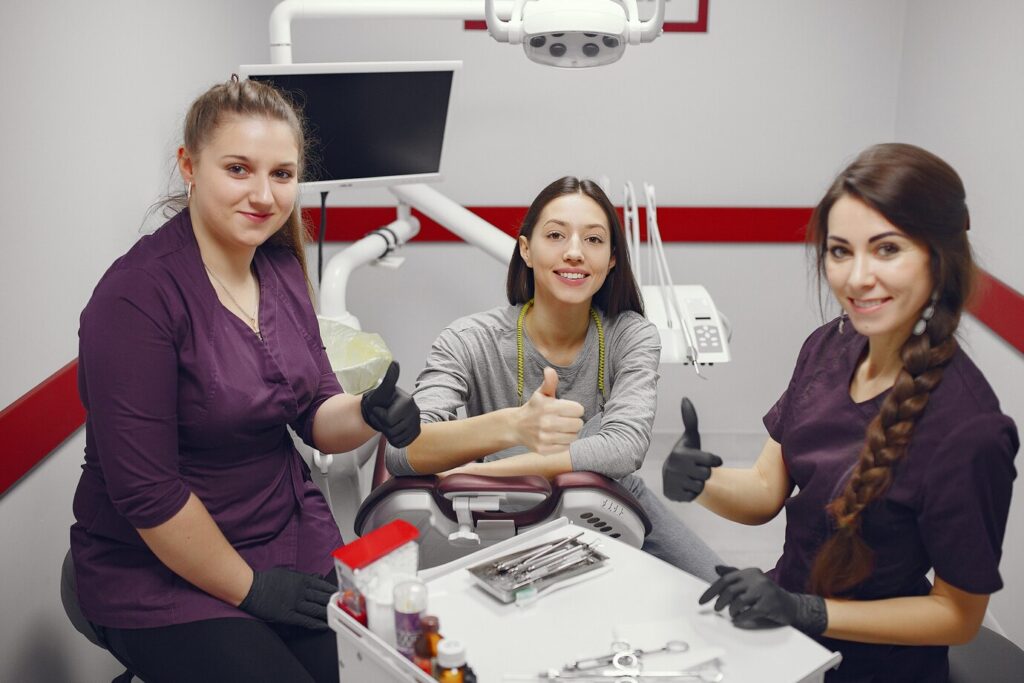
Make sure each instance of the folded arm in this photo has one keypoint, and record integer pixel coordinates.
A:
(192, 546)
(946, 616)
(547, 466)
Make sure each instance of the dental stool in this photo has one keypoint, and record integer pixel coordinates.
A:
(462, 513)
(69, 598)
(989, 658)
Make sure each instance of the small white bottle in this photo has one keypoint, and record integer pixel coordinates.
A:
(451, 661)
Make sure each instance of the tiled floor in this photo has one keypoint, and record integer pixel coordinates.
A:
(738, 544)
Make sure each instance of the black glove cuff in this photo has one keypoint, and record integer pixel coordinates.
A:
(811, 614)
(364, 409)
(254, 589)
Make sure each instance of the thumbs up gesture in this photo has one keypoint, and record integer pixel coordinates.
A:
(391, 411)
(687, 468)
(547, 424)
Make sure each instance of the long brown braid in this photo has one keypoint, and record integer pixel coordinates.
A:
(923, 196)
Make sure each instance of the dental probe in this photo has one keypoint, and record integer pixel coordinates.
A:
(506, 566)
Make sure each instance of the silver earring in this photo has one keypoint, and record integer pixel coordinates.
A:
(921, 325)
(188, 191)
(842, 322)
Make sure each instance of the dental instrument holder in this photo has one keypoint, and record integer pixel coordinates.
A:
(665, 277)
(693, 331)
(528, 571)
(465, 503)
(384, 556)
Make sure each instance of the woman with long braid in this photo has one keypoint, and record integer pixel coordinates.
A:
(894, 439)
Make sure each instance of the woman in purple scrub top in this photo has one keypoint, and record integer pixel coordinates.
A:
(201, 546)
(892, 438)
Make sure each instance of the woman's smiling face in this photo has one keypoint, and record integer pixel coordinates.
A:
(569, 250)
(880, 276)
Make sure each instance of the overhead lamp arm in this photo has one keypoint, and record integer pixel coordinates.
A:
(285, 12)
(652, 28)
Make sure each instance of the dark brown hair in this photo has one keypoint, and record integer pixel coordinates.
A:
(249, 98)
(619, 291)
(924, 197)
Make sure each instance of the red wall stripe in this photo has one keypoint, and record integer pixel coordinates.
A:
(1000, 308)
(700, 25)
(34, 425)
(38, 422)
(677, 223)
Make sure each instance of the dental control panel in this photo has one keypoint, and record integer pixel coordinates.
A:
(706, 336)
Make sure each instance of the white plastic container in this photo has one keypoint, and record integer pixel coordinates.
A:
(368, 569)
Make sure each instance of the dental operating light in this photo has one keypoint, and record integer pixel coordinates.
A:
(574, 33)
(564, 33)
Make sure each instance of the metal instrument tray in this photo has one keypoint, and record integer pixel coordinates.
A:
(504, 586)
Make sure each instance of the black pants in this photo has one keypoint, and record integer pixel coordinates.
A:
(226, 650)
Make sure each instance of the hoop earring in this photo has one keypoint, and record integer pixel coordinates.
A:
(921, 325)
(842, 322)
(188, 191)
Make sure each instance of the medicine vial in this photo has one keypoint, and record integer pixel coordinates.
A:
(426, 644)
(410, 602)
(451, 661)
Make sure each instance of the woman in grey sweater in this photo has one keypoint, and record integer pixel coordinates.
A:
(563, 379)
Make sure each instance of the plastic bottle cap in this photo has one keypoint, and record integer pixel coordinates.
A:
(451, 654)
(410, 596)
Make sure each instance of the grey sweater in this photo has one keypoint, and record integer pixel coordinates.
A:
(473, 365)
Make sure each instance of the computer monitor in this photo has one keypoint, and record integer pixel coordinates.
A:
(370, 123)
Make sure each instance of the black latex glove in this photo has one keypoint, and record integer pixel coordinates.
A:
(687, 467)
(755, 601)
(286, 596)
(391, 411)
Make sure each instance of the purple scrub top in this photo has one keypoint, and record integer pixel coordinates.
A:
(947, 506)
(182, 397)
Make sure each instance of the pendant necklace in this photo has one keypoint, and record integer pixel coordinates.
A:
(252, 318)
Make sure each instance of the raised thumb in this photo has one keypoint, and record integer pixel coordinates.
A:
(550, 384)
(382, 392)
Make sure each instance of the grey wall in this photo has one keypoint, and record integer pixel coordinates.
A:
(93, 97)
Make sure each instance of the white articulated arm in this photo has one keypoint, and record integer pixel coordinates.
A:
(288, 10)
(651, 29)
(366, 250)
(495, 26)
(458, 219)
(452, 215)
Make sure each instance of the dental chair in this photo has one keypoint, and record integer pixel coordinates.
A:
(462, 513)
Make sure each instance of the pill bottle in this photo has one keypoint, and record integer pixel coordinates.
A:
(451, 660)
(425, 650)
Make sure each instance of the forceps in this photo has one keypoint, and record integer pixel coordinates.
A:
(624, 656)
(626, 666)
(705, 675)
